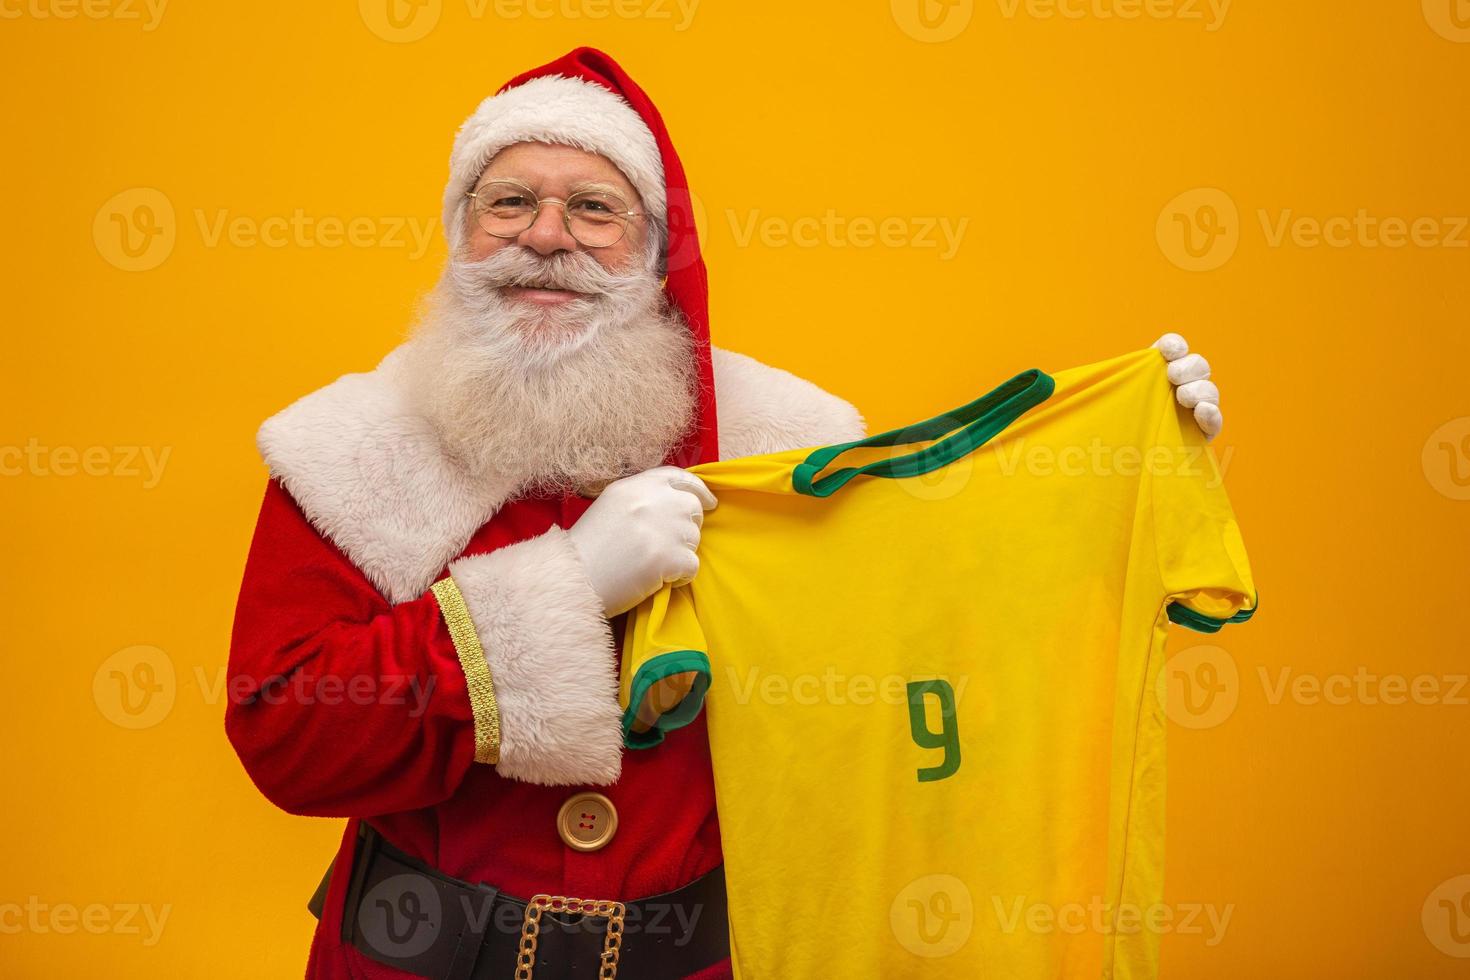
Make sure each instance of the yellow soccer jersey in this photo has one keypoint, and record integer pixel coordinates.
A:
(927, 660)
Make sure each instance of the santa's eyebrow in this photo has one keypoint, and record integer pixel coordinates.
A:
(502, 178)
(597, 185)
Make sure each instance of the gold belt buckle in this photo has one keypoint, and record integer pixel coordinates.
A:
(612, 943)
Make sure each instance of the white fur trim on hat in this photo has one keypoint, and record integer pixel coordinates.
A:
(555, 109)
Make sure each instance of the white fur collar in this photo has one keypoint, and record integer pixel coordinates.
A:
(369, 474)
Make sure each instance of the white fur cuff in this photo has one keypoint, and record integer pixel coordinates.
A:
(551, 655)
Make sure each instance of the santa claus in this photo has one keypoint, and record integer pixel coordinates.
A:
(429, 626)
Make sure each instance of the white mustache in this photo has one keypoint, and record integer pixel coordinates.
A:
(516, 265)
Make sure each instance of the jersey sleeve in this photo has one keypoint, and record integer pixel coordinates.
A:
(665, 671)
(1202, 561)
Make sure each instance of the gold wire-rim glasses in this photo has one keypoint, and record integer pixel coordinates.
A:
(535, 213)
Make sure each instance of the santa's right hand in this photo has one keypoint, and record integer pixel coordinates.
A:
(640, 533)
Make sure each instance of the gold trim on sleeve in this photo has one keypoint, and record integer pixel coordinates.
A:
(476, 669)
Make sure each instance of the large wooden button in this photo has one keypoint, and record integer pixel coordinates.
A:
(587, 821)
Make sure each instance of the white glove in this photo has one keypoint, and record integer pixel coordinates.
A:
(641, 532)
(1190, 375)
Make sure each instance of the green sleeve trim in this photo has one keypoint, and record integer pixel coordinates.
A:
(656, 669)
(981, 419)
(1200, 623)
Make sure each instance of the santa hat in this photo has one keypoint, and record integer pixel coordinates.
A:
(555, 109)
(585, 99)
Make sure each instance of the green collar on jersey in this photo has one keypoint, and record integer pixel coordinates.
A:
(980, 421)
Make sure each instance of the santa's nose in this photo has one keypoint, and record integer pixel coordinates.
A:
(548, 233)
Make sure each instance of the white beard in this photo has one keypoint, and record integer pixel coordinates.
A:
(560, 399)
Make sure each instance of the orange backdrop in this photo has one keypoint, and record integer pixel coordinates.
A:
(216, 207)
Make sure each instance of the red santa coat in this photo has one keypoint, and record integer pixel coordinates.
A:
(348, 695)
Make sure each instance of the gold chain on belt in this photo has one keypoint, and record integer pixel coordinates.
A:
(612, 943)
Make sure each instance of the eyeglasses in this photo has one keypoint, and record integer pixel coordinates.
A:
(595, 218)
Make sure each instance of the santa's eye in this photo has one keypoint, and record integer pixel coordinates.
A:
(510, 201)
(595, 207)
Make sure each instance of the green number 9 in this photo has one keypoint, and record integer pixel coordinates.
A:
(948, 738)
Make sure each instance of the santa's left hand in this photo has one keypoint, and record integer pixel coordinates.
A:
(1190, 375)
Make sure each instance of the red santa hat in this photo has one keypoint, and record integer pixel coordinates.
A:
(585, 99)
(555, 108)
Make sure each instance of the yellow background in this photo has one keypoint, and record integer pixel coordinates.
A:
(1332, 831)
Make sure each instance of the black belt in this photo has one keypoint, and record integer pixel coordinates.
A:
(403, 913)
